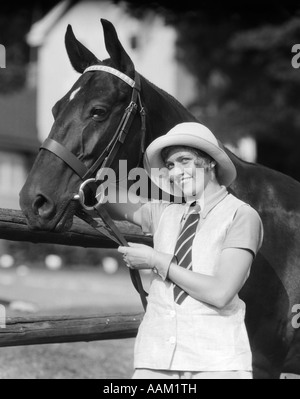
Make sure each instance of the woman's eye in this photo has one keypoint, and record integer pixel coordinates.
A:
(99, 114)
(169, 166)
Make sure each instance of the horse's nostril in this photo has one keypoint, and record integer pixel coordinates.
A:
(42, 206)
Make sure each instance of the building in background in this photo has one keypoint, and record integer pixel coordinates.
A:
(18, 143)
(26, 117)
(149, 42)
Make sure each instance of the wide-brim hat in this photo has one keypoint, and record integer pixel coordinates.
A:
(194, 135)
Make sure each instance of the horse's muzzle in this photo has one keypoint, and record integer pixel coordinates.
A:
(42, 213)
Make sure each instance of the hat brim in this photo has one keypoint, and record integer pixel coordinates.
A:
(226, 171)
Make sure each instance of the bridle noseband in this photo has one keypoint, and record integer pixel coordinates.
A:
(105, 160)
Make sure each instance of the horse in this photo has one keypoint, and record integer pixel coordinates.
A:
(85, 120)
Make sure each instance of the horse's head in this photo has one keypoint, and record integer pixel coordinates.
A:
(85, 120)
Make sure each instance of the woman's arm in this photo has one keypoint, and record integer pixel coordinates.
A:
(243, 241)
(217, 290)
(220, 289)
(123, 205)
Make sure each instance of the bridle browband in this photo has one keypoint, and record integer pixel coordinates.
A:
(106, 158)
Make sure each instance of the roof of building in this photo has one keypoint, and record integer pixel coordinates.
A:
(18, 130)
(39, 30)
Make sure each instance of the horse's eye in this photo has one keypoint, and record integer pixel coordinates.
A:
(98, 114)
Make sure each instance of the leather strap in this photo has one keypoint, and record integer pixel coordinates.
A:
(112, 71)
(134, 274)
(67, 156)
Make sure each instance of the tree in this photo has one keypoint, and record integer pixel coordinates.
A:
(241, 57)
(15, 22)
(247, 84)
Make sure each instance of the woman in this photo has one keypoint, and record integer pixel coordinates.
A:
(203, 250)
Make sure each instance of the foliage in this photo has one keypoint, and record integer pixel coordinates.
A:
(241, 57)
(247, 85)
(15, 23)
(12, 28)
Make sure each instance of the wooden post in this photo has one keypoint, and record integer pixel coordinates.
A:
(59, 329)
(13, 227)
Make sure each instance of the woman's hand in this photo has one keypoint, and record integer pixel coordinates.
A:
(140, 256)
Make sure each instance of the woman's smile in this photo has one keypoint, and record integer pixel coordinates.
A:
(185, 180)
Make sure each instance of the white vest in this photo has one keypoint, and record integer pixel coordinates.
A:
(193, 336)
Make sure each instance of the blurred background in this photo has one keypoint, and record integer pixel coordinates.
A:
(230, 65)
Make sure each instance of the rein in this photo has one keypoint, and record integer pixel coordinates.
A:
(105, 160)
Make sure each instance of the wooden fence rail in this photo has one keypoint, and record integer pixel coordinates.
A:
(13, 227)
(59, 329)
(37, 330)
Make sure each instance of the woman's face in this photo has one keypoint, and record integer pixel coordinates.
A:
(188, 172)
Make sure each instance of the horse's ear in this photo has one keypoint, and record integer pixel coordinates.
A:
(79, 55)
(118, 55)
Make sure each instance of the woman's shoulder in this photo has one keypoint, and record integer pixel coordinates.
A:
(247, 220)
(244, 209)
(246, 229)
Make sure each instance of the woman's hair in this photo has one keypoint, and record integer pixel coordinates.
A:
(203, 156)
(166, 152)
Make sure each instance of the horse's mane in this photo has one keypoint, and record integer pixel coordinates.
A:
(171, 99)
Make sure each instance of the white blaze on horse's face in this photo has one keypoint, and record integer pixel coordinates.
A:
(73, 94)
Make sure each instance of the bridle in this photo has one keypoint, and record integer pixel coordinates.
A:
(105, 160)
(108, 155)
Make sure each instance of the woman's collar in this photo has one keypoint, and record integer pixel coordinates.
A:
(208, 202)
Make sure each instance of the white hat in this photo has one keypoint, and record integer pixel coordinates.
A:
(193, 135)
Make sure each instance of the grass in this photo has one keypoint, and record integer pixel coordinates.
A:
(80, 291)
(94, 360)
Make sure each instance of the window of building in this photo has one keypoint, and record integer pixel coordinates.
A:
(134, 42)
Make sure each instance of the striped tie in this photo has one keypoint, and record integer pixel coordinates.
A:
(183, 249)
